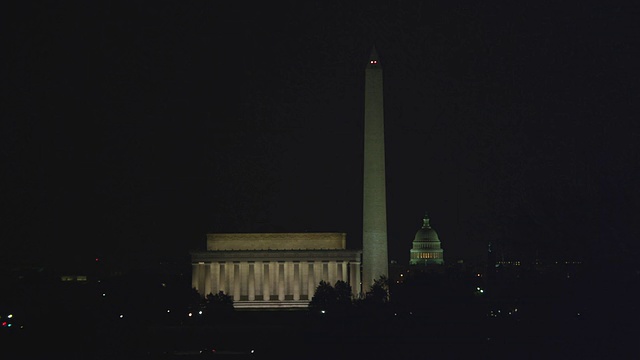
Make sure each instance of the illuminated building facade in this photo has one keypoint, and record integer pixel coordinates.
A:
(426, 249)
(274, 270)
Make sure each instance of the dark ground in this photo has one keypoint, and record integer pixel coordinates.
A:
(589, 313)
(302, 335)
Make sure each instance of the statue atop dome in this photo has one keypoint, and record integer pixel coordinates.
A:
(425, 221)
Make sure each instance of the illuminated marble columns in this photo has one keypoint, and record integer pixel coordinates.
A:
(289, 278)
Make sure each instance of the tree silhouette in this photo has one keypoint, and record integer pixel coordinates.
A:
(324, 297)
(333, 298)
(219, 303)
(379, 291)
(343, 293)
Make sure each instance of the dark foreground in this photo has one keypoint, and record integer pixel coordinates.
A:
(302, 335)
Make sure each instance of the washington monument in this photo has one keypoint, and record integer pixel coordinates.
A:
(374, 215)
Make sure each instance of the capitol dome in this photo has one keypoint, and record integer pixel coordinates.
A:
(426, 246)
(426, 233)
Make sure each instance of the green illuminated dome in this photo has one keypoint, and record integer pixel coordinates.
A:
(426, 248)
(426, 233)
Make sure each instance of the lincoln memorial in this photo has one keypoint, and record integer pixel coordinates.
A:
(274, 270)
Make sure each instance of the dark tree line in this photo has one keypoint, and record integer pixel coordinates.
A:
(339, 297)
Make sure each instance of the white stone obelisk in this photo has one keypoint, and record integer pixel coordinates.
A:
(374, 224)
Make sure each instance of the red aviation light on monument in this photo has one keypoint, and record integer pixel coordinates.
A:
(374, 60)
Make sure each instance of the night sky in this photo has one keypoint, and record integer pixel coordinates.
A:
(132, 129)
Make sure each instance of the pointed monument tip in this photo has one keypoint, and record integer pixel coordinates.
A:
(373, 57)
(374, 53)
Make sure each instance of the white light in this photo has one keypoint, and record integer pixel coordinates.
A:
(200, 312)
(190, 314)
(9, 316)
(168, 310)
(121, 316)
(103, 294)
(322, 311)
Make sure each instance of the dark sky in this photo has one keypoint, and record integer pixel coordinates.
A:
(131, 129)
